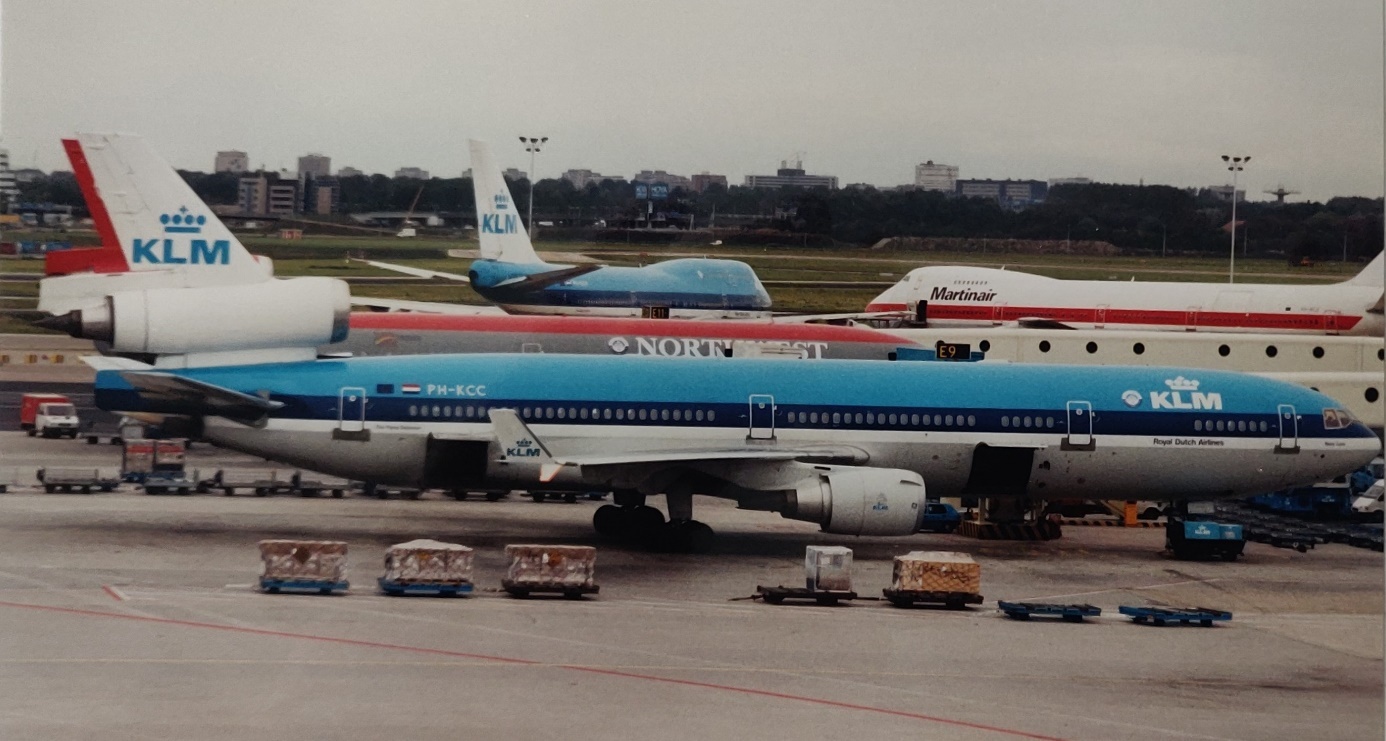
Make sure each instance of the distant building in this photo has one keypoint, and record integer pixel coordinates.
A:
(268, 194)
(349, 172)
(1224, 193)
(650, 177)
(321, 196)
(942, 178)
(9, 189)
(232, 160)
(1069, 181)
(317, 165)
(581, 178)
(702, 180)
(788, 176)
(1009, 193)
(415, 173)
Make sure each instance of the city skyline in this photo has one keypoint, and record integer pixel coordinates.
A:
(1116, 91)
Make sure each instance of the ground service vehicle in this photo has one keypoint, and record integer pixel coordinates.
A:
(940, 518)
(49, 415)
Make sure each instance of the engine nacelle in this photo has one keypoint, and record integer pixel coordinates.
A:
(860, 501)
(295, 312)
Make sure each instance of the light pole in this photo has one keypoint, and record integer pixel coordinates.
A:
(532, 145)
(1234, 166)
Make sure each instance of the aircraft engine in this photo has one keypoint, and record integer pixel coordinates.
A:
(859, 501)
(295, 312)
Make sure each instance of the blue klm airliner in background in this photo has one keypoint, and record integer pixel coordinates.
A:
(510, 273)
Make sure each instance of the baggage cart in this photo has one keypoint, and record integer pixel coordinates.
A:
(826, 597)
(550, 569)
(84, 480)
(427, 567)
(1182, 615)
(1069, 613)
(303, 566)
(935, 577)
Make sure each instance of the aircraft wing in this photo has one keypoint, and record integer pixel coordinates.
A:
(416, 272)
(182, 395)
(544, 280)
(1035, 322)
(424, 307)
(521, 443)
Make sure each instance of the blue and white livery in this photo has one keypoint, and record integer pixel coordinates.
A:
(847, 444)
(512, 275)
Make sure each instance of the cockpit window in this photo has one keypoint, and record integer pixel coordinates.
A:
(1337, 419)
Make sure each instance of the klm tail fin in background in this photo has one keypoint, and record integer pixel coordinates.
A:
(499, 227)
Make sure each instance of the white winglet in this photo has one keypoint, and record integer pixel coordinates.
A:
(499, 228)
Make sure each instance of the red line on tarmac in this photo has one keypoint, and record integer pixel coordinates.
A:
(529, 662)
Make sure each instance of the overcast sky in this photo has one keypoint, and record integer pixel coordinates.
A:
(1118, 91)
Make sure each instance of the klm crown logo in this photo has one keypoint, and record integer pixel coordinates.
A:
(1181, 384)
(182, 222)
(502, 202)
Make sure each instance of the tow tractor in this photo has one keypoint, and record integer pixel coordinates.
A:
(1191, 533)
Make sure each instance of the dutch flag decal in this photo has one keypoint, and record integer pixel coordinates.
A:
(410, 388)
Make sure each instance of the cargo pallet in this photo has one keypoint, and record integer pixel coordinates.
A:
(322, 586)
(522, 590)
(1182, 615)
(777, 595)
(396, 588)
(951, 600)
(1070, 613)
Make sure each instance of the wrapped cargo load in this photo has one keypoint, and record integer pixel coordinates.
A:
(305, 564)
(936, 571)
(828, 567)
(568, 569)
(429, 561)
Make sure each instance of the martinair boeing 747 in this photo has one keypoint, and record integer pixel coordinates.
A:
(964, 296)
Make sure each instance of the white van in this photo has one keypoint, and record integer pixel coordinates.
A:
(1372, 504)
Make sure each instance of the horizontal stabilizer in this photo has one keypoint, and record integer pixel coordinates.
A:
(190, 396)
(113, 362)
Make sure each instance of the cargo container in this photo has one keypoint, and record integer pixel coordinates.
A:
(951, 579)
(303, 565)
(427, 567)
(828, 568)
(563, 569)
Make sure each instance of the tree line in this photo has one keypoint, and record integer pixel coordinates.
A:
(1147, 219)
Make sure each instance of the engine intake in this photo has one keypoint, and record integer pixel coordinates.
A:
(296, 312)
(859, 501)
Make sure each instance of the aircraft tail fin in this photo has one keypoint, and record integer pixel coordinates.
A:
(148, 219)
(1370, 275)
(521, 446)
(499, 227)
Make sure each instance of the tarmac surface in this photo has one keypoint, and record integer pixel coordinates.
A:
(126, 616)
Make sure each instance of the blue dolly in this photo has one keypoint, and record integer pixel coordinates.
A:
(441, 589)
(322, 586)
(1070, 613)
(1182, 615)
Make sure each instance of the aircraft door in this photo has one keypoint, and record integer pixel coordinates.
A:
(1289, 429)
(351, 409)
(1100, 317)
(762, 416)
(1079, 426)
(1330, 323)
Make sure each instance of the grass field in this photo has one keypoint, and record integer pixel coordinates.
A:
(328, 256)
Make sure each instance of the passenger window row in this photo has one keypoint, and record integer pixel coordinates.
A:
(1228, 425)
(888, 420)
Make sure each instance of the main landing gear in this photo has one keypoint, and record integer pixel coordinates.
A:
(645, 525)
